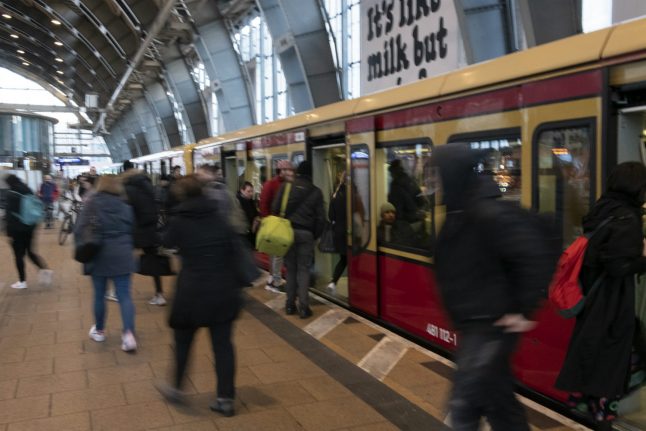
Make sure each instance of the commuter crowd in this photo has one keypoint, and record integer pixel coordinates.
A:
(506, 265)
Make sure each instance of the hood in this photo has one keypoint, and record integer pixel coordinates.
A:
(198, 207)
(460, 183)
(607, 205)
(108, 203)
(21, 188)
(134, 176)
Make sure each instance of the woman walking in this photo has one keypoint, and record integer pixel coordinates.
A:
(597, 366)
(22, 234)
(338, 217)
(113, 221)
(207, 292)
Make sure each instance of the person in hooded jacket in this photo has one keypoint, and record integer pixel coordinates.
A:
(114, 224)
(597, 365)
(492, 267)
(404, 193)
(208, 292)
(306, 214)
(141, 196)
(22, 235)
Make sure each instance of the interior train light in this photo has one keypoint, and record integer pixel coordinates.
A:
(560, 151)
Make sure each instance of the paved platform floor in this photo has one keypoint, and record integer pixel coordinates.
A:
(334, 371)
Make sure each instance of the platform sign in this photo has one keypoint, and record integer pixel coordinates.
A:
(71, 161)
(403, 41)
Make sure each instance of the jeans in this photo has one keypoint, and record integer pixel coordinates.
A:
(225, 364)
(275, 266)
(21, 244)
(484, 385)
(298, 260)
(122, 289)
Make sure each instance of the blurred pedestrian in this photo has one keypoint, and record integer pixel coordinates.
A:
(250, 209)
(597, 366)
(48, 193)
(338, 217)
(114, 222)
(141, 196)
(22, 234)
(492, 266)
(284, 172)
(207, 292)
(305, 212)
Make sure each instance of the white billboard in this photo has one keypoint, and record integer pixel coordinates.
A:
(403, 41)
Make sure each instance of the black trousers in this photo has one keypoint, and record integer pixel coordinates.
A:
(483, 384)
(21, 244)
(156, 278)
(222, 351)
(340, 267)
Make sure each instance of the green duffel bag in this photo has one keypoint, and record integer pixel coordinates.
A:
(276, 235)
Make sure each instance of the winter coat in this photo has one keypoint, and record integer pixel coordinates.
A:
(337, 215)
(207, 291)
(141, 196)
(490, 259)
(598, 358)
(227, 205)
(304, 206)
(115, 225)
(403, 194)
(249, 208)
(268, 195)
(48, 192)
(13, 224)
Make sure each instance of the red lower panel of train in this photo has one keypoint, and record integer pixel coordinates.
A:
(409, 299)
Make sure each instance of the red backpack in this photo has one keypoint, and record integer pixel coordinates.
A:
(565, 292)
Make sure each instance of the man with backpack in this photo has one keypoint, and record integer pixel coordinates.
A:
(23, 213)
(492, 266)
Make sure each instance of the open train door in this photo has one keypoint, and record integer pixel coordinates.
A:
(362, 256)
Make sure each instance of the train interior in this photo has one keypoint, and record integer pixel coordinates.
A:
(631, 145)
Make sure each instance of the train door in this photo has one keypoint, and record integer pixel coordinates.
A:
(231, 171)
(362, 257)
(329, 174)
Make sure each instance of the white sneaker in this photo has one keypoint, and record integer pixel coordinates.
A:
(270, 287)
(110, 296)
(128, 342)
(97, 336)
(45, 277)
(19, 285)
(158, 300)
(331, 286)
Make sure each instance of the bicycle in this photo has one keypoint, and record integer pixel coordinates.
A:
(67, 227)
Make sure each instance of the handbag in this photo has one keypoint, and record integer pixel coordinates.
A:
(89, 240)
(276, 235)
(154, 265)
(326, 242)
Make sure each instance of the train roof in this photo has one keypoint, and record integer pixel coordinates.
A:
(582, 49)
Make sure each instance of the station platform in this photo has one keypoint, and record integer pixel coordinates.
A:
(334, 371)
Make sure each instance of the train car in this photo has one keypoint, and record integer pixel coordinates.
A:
(555, 119)
(158, 165)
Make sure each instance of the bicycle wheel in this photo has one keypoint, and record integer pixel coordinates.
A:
(66, 229)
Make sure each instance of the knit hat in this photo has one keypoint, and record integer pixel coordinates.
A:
(305, 168)
(387, 207)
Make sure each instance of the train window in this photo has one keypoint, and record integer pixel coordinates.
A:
(406, 193)
(260, 170)
(360, 201)
(297, 158)
(563, 178)
(274, 161)
(501, 158)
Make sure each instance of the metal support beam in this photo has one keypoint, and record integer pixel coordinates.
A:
(37, 108)
(156, 27)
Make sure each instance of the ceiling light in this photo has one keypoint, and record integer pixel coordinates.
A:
(58, 43)
(6, 15)
(56, 22)
(15, 36)
(20, 51)
(60, 60)
(24, 63)
(60, 72)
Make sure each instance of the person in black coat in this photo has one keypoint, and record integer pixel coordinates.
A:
(597, 364)
(306, 214)
(404, 193)
(337, 215)
(492, 266)
(207, 292)
(250, 209)
(21, 234)
(141, 196)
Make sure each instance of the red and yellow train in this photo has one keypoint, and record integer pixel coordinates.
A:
(556, 119)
